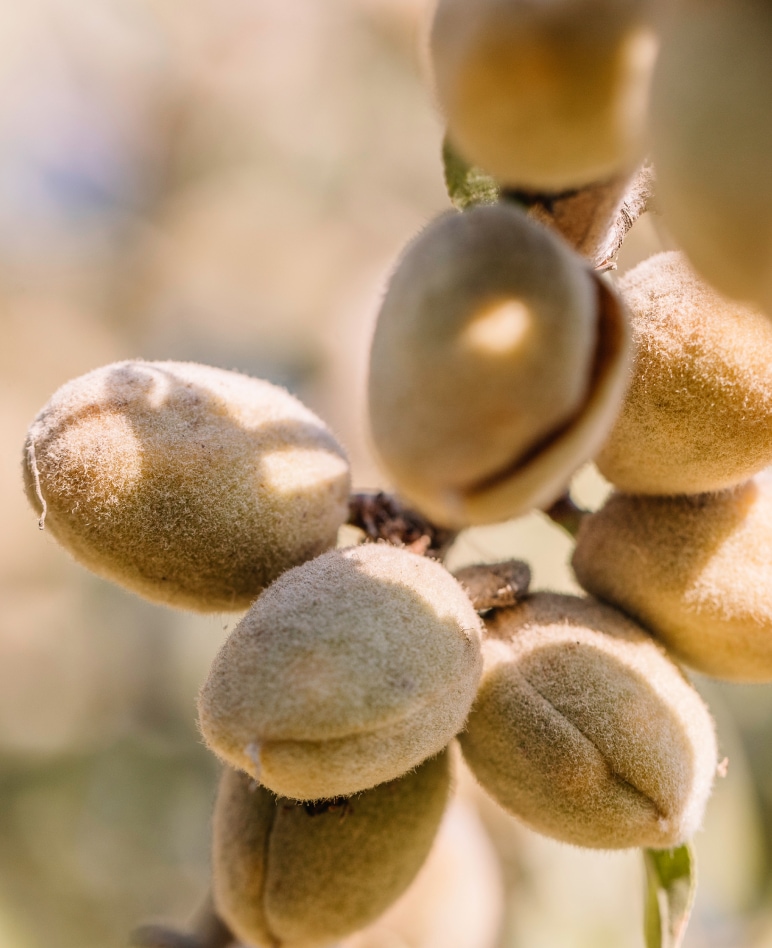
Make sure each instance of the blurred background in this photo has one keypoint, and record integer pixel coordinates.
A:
(230, 181)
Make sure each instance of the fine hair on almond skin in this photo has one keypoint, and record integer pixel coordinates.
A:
(497, 366)
(294, 874)
(190, 485)
(695, 570)
(348, 671)
(698, 412)
(585, 730)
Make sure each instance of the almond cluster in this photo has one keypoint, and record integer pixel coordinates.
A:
(501, 361)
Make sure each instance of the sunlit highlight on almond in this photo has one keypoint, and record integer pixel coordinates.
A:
(499, 330)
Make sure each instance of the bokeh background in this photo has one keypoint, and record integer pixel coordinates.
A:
(230, 181)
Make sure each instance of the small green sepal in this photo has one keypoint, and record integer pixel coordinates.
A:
(467, 185)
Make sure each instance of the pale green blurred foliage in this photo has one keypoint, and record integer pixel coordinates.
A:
(230, 181)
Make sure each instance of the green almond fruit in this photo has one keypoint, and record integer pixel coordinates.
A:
(695, 570)
(698, 413)
(190, 485)
(347, 672)
(586, 731)
(306, 874)
(498, 364)
(545, 96)
(711, 140)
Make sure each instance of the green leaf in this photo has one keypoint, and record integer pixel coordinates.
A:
(467, 185)
(671, 884)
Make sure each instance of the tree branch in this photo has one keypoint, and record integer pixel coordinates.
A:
(566, 514)
(594, 219)
(209, 932)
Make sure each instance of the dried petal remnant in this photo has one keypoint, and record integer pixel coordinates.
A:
(190, 485)
(346, 672)
(495, 585)
(585, 730)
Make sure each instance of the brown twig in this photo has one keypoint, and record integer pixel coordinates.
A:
(157, 936)
(594, 219)
(383, 517)
(209, 932)
(566, 514)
